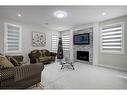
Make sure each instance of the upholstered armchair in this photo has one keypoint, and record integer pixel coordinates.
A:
(41, 56)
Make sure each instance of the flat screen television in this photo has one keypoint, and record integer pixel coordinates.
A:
(81, 39)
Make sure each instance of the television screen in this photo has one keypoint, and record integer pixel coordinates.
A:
(81, 39)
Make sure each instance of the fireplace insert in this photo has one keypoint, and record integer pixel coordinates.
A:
(83, 55)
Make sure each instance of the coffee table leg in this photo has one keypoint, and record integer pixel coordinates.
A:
(72, 66)
(62, 66)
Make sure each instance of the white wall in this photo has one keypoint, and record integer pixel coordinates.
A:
(95, 43)
(26, 36)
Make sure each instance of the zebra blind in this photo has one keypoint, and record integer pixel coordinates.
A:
(12, 38)
(112, 38)
(66, 41)
(54, 42)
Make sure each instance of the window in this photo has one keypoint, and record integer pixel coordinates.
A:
(66, 41)
(54, 42)
(112, 38)
(12, 38)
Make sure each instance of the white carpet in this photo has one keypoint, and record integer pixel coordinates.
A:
(83, 77)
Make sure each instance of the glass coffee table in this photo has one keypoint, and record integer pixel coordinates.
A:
(67, 63)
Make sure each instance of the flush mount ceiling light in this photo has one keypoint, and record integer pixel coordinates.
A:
(59, 28)
(19, 15)
(104, 13)
(60, 14)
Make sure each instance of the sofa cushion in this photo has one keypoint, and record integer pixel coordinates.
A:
(26, 71)
(13, 60)
(18, 58)
(52, 57)
(35, 53)
(5, 62)
(47, 53)
(44, 52)
(46, 58)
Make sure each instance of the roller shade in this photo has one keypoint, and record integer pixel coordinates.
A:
(66, 41)
(112, 38)
(12, 38)
(54, 42)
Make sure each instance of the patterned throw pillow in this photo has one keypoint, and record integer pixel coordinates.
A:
(13, 60)
(5, 62)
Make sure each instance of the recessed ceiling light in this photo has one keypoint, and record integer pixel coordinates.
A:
(60, 14)
(104, 13)
(19, 15)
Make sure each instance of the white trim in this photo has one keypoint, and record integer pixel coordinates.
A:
(112, 24)
(113, 67)
(95, 43)
(122, 38)
(5, 39)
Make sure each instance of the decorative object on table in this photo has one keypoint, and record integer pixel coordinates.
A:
(38, 39)
(67, 63)
(60, 49)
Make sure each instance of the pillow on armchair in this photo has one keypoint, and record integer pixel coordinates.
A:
(47, 53)
(4, 62)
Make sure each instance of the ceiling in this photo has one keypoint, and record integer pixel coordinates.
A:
(76, 15)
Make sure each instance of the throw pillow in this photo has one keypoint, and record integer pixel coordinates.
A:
(5, 62)
(13, 60)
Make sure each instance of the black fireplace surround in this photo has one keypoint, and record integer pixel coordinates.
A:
(83, 55)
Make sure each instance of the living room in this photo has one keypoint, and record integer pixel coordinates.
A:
(94, 45)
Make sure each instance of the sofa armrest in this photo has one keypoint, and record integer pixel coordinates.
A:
(25, 71)
(6, 73)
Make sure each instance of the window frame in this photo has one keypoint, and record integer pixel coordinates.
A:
(5, 39)
(122, 39)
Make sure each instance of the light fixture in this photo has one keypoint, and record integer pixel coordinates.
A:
(59, 28)
(60, 14)
(104, 13)
(19, 15)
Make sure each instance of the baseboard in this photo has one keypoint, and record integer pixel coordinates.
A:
(113, 67)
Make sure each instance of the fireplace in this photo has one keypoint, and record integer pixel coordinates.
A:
(83, 55)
